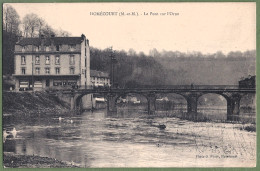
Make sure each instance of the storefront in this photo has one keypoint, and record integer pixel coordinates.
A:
(43, 82)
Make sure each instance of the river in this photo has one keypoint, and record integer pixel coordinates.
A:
(131, 139)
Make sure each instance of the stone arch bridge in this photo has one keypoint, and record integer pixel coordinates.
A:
(232, 96)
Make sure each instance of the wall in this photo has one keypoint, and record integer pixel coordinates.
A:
(64, 64)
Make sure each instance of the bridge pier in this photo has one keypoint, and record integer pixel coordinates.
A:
(151, 99)
(72, 103)
(111, 103)
(192, 106)
(233, 108)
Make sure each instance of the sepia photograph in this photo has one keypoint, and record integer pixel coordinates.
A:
(129, 85)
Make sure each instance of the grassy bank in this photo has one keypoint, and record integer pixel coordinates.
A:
(28, 103)
(26, 161)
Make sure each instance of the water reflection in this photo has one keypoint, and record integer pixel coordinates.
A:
(125, 139)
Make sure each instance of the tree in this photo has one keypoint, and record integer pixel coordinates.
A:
(154, 53)
(131, 52)
(47, 31)
(11, 20)
(62, 33)
(236, 54)
(32, 25)
(219, 54)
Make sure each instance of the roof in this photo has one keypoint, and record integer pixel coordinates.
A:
(47, 41)
(94, 73)
(250, 78)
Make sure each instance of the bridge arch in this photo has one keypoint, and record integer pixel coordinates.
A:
(79, 103)
(131, 92)
(227, 97)
(213, 105)
(128, 99)
(172, 101)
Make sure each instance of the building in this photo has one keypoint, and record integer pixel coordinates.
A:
(99, 79)
(53, 62)
(247, 82)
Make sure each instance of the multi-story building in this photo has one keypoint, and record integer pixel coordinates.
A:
(54, 62)
(99, 79)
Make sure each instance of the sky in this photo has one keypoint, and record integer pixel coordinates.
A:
(204, 27)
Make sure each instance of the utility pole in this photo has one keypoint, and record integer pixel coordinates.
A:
(112, 61)
(32, 71)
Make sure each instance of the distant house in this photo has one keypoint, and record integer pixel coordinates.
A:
(247, 82)
(52, 62)
(99, 79)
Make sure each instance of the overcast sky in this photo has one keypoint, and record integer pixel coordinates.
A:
(205, 27)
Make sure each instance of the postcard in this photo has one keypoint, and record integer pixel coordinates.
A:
(129, 85)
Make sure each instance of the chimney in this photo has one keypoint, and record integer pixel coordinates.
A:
(42, 41)
(83, 36)
(52, 40)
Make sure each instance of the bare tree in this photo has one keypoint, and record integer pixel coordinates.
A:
(47, 31)
(62, 33)
(11, 19)
(41, 25)
(33, 25)
(154, 53)
(30, 25)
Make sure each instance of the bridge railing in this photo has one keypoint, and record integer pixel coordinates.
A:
(182, 87)
(160, 87)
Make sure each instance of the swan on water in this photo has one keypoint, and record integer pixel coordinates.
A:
(5, 134)
(14, 132)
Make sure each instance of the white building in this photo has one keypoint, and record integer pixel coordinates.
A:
(52, 62)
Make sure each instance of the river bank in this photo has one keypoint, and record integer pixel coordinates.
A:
(12, 160)
(29, 103)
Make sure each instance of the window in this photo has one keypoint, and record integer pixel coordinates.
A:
(47, 48)
(23, 71)
(72, 70)
(36, 48)
(57, 70)
(57, 47)
(37, 70)
(23, 61)
(72, 60)
(57, 60)
(47, 70)
(72, 47)
(47, 60)
(37, 60)
(57, 82)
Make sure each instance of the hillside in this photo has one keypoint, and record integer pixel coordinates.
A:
(223, 71)
(175, 68)
(27, 103)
